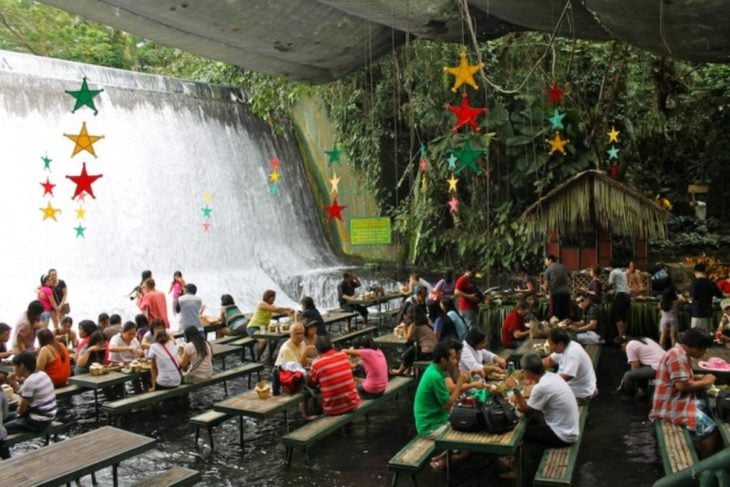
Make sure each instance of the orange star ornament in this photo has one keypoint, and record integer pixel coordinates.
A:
(84, 141)
(557, 144)
(464, 72)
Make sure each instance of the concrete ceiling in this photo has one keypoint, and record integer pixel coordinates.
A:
(321, 40)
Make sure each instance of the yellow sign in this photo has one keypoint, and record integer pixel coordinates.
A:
(370, 231)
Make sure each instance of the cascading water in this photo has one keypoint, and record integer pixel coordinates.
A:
(166, 142)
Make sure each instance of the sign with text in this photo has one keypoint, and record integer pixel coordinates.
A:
(370, 231)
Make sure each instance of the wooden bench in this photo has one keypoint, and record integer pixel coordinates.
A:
(675, 443)
(246, 343)
(724, 429)
(209, 419)
(557, 464)
(174, 477)
(411, 458)
(313, 431)
(594, 352)
(353, 334)
(67, 391)
(55, 428)
(121, 406)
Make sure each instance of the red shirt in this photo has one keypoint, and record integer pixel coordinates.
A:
(464, 285)
(724, 286)
(153, 303)
(669, 403)
(332, 372)
(512, 322)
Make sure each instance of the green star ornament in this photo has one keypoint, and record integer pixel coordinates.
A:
(452, 162)
(333, 155)
(468, 157)
(80, 231)
(84, 97)
(612, 152)
(46, 162)
(206, 211)
(422, 150)
(557, 120)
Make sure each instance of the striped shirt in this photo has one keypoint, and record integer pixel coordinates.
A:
(38, 391)
(670, 404)
(332, 372)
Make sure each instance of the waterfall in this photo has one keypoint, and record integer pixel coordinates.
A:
(166, 143)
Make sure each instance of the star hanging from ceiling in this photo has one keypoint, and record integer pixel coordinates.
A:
(612, 152)
(80, 231)
(424, 183)
(80, 198)
(468, 157)
(49, 212)
(613, 134)
(423, 165)
(274, 189)
(557, 120)
(80, 213)
(466, 114)
(555, 94)
(84, 97)
(84, 141)
(453, 205)
(206, 211)
(207, 197)
(206, 227)
(48, 187)
(453, 181)
(422, 151)
(334, 210)
(274, 176)
(83, 182)
(46, 163)
(333, 155)
(334, 183)
(452, 161)
(464, 72)
(275, 162)
(557, 144)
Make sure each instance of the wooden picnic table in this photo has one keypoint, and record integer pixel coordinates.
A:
(68, 460)
(532, 345)
(506, 444)
(97, 382)
(379, 301)
(249, 404)
(207, 328)
(391, 340)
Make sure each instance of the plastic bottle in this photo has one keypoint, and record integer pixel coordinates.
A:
(275, 383)
(510, 367)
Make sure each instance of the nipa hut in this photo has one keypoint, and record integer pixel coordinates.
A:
(579, 218)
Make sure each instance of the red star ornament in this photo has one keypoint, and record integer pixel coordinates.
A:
(555, 94)
(206, 227)
(334, 210)
(423, 165)
(83, 182)
(466, 114)
(48, 187)
(275, 162)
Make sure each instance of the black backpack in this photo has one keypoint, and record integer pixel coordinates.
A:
(467, 415)
(722, 406)
(499, 415)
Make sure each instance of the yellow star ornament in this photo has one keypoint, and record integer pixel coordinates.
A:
(207, 197)
(464, 72)
(452, 183)
(84, 141)
(274, 176)
(424, 183)
(557, 144)
(334, 182)
(80, 213)
(613, 134)
(49, 212)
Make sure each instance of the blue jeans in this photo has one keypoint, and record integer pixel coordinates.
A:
(470, 317)
(635, 378)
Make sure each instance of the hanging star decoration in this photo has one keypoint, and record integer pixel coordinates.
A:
(333, 156)
(466, 114)
(46, 163)
(334, 183)
(334, 210)
(464, 72)
(207, 197)
(424, 183)
(274, 189)
(452, 161)
(423, 165)
(84, 97)
(206, 226)
(468, 157)
(275, 162)
(557, 144)
(422, 150)
(84, 141)
(274, 176)
(49, 212)
(80, 213)
(453, 205)
(48, 187)
(80, 231)
(206, 211)
(83, 182)
(453, 181)
(81, 198)
(613, 135)
(557, 120)
(612, 152)
(555, 94)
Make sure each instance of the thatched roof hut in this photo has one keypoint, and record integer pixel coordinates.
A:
(591, 200)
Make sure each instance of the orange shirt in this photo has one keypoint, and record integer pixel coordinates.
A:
(59, 369)
(153, 303)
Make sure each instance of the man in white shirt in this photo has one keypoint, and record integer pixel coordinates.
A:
(621, 306)
(294, 349)
(190, 306)
(573, 363)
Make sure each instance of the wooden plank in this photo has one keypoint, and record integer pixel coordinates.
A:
(354, 334)
(249, 404)
(89, 381)
(209, 418)
(67, 391)
(503, 444)
(55, 428)
(92, 451)
(175, 476)
(391, 340)
(676, 447)
(413, 456)
(557, 464)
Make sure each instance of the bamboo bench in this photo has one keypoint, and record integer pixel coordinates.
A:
(121, 406)
(411, 459)
(353, 334)
(209, 419)
(313, 431)
(53, 429)
(594, 352)
(557, 464)
(675, 443)
(174, 477)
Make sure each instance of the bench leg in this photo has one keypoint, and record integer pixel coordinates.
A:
(289, 452)
(306, 457)
(286, 420)
(96, 405)
(240, 432)
(114, 474)
(197, 435)
(394, 482)
(210, 438)
(414, 480)
(93, 479)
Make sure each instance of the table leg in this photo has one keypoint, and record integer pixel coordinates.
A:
(114, 474)
(518, 466)
(96, 405)
(240, 431)
(286, 420)
(448, 467)
(225, 383)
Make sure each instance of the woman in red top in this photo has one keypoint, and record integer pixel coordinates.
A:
(53, 358)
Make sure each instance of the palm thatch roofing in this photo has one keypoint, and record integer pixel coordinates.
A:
(593, 197)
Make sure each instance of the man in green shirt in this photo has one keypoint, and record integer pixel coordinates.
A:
(433, 398)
